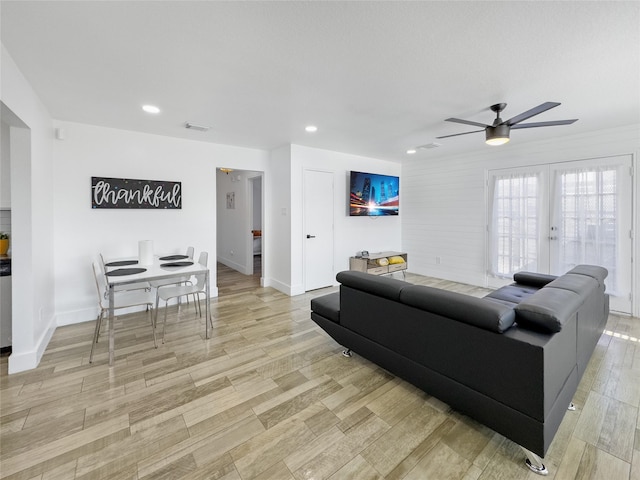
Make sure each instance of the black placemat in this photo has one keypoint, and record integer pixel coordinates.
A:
(174, 257)
(121, 263)
(176, 264)
(126, 271)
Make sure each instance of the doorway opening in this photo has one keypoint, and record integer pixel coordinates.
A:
(239, 227)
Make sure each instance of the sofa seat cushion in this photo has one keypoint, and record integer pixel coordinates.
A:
(327, 306)
(512, 294)
(475, 311)
(548, 310)
(384, 287)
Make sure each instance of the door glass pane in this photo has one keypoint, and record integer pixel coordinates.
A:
(515, 231)
(588, 230)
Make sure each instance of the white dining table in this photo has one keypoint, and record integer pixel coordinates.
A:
(154, 271)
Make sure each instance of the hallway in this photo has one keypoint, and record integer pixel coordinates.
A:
(231, 281)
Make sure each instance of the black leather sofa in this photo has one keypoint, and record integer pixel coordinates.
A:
(511, 360)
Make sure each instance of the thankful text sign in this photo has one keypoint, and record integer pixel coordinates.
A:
(131, 193)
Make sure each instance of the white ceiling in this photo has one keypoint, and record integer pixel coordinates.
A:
(376, 78)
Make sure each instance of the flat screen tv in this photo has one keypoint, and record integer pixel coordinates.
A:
(375, 195)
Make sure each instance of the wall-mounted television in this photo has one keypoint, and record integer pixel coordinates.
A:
(371, 194)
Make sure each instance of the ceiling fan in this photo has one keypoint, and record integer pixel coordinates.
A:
(498, 132)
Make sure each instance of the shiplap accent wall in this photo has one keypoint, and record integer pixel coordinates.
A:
(443, 218)
(444, 198)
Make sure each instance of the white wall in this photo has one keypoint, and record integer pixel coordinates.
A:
(32, 216)
(81, 233)
(445, 204)
(256, 186)
(351, 234)
(276, 241)
(5, 170)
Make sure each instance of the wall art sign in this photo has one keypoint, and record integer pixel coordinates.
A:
(131, 193)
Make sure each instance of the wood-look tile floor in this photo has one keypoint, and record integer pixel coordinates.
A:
(269, 396)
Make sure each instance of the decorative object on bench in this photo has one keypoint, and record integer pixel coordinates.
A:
(380, 263)
(511, 360)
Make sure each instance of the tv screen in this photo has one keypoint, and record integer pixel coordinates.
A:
(374, 195)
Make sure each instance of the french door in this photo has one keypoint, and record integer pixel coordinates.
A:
(549, 218)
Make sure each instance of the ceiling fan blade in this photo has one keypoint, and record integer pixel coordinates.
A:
(545, 124)
(467, 122)
(530, 113)
(458, 134)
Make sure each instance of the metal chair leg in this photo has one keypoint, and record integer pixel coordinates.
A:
(153, 326)
(164, 324)
(95, 335)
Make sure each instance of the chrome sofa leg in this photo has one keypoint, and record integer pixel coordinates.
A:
(346, 352)
(534, 462)
(572, 407)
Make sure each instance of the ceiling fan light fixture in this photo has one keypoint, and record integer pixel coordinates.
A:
(498, 135)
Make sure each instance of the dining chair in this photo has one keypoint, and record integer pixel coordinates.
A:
(127, 299)
(158, 284)
(196, 289)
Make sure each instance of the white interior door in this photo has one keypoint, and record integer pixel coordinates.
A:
(318, 224)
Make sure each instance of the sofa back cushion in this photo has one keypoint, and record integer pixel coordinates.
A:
(384, 287)
(463, 308)
(593, 271)
(580, 284)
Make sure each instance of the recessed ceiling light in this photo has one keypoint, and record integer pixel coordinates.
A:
(311, 128)
(411, 151)
(150, 109)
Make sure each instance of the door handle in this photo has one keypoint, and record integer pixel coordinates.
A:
(311, 236)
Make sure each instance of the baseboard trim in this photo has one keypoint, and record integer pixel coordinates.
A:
(21, 361)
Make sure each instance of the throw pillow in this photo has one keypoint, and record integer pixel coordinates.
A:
(395, 260)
